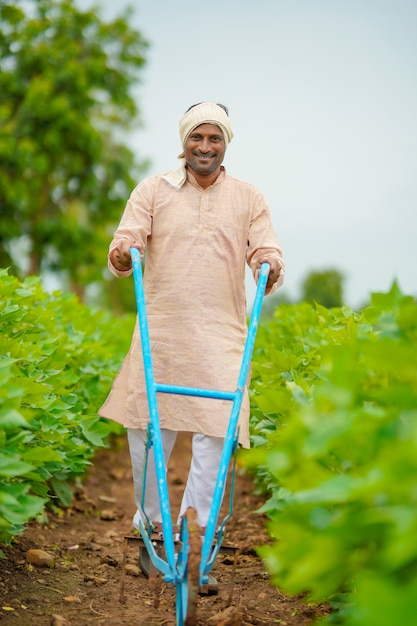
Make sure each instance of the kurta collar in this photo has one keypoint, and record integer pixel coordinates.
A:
(176, 178)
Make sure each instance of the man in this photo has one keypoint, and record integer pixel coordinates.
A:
(198, 226)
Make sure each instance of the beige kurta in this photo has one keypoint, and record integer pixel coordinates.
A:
(196, 242)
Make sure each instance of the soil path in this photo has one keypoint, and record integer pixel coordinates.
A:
(82, 587)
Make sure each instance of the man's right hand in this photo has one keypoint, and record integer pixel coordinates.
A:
(120, 257)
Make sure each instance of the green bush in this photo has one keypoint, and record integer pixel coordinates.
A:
(57, 362)
(339, 456)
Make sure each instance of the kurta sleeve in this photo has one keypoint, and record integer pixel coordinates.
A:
(136, 222)
(263, 244)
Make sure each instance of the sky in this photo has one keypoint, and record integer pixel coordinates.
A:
(322, 96)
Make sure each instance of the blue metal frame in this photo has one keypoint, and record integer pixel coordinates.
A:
(173, 572)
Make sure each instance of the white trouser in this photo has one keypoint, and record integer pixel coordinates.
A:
(198, 493)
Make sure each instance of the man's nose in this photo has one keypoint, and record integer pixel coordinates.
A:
(205, 145)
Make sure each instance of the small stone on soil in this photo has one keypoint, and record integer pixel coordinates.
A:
(40, 558)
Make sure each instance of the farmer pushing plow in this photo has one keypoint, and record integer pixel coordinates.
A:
(198, 226)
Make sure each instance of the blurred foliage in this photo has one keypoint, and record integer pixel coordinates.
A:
(273, 301)
(334, 424)
(324, 287)
(58, 359)
(66, 103)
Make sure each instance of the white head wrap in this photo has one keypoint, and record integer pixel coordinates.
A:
(205, 113)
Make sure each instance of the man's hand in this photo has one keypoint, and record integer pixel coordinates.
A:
(121, 257)
(274, 273)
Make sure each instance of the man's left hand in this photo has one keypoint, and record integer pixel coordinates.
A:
(274, 273)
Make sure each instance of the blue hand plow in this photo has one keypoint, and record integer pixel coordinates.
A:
(188, 568)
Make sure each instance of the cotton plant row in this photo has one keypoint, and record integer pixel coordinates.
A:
(57, 361)
(334, 404)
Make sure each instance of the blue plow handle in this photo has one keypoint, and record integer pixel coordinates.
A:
(169, 568)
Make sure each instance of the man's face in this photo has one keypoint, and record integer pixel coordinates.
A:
(204, 149)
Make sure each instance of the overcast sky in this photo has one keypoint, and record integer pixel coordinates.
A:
(323, 102)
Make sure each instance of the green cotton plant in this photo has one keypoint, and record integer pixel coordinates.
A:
(343, 513)
(286, 367)
(57, 362)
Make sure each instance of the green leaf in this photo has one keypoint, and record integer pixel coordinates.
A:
(95, 430)
(40, 455)
(11, 418)
(12, 466)
(63, 491)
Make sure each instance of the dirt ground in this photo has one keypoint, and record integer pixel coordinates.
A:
(83, 585)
